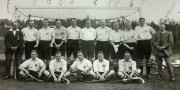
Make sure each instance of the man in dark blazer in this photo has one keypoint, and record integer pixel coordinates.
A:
(162, 42)
(14, 46)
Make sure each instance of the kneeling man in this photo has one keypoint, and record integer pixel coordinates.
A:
(58, 68)
(101, 68)
(33, 66)
(127, 67)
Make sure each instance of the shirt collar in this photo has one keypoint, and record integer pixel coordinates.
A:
(143, 26)
(127, 30)
(127, 61)
(163, 32)
(13, 30)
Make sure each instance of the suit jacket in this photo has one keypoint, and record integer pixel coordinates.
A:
(12, 40)
(167, 42)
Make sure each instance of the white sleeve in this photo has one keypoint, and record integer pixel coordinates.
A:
(107, 66)
(121, 68)
(25, 64)
(64, 68)
(41, 63)
(95, 66)
(51, 65)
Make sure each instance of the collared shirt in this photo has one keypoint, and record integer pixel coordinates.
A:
(130, 35)
(30, 34)
(117, 36)
(102, 34)
(88, 34)
(58, 66)
(73, 32)
(14, 32)
(34, 65)
(60, 33)
(81, 65)
(101, 66)
(127, 66)
(46, 34)
(145, 32)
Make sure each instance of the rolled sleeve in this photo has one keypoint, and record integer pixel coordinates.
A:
(133, 65)
(95, 66)
(121, 68)
(64, 68)
(51, 65)
(41, 63)
(25, 64)
(107, 66)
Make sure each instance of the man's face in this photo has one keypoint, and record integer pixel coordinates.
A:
(129, 26)
(88, 24)
(161, 28)
(103, 23)
(58, 23)
(73, 22)
(142, 22)
(15, 26)
(33, 55)
(45, 23)
(31, 24)
(100, 57)
(80, 56)
(116, 26)
(58, 56)
(127, 56)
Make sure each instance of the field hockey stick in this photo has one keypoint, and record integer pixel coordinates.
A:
(35, 78)
(67, 81)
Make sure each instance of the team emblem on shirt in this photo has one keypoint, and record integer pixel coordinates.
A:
(103, 65)
(84, 66)
(36, 65)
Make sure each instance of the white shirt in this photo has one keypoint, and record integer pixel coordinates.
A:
(58, 66)
(46, 34)
(73, 32)
(127, 66)
(145, 32)
(101, 66)
(102, 34)
(81, 65)
(14, 31)
(60, 33)
(30, 34)
(130, 35)
(34, 65)
(117, 36)
(88, 34)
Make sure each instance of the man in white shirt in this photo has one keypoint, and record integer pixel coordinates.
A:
(88, 36)
(102, 38)
(101, 68)
(130, 38)
(60, 38)
(127, 67)
(81, 67)
(30, 38)
(45, 41)
(73, 33)
(58, 68)
(144, 44)
(33, 66)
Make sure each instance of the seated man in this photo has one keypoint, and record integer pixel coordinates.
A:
(127, 67)
(101, 68)
(81, 67)
(58, 68)
(33, 66)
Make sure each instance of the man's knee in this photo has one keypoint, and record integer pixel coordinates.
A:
(67, 74)
(120, 74)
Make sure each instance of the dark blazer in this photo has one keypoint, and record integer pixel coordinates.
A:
(10, 40)
(167, 42)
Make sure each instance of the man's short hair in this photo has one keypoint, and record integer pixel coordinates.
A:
(127, 52)
(46, 20)
(58, 52)
(79, 52)
(57, 20)
(100, 52)
(141, 18)
(34, 51)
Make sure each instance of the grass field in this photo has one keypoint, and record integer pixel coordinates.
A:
(152, 84)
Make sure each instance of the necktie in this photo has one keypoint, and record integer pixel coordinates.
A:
(161, 39)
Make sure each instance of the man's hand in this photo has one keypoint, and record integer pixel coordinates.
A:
(131, 48)
(59, 79)
(39, 75)
(51, 45)
(14, 48)
(55, 79)
(130, 77)
(36, 46)
(27, 72)
(161, 47)
(102, 78)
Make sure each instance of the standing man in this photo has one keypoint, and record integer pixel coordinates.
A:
(60, 38)
(102, 37)
(58, 68)
(30, 38)
(14, 46)
(130, 38)
(101, 68)
(88, 36)
(73, 33)
(162, 42)
(45, 42)
(144, 44)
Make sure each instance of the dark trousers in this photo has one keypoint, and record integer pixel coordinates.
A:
(168, 63)
(44, 50)
(104, 47)
(9, 57)
(88, 48)
(61, 49)
(132, 52)
(29, 46)
(72, 47)
(119, 54)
